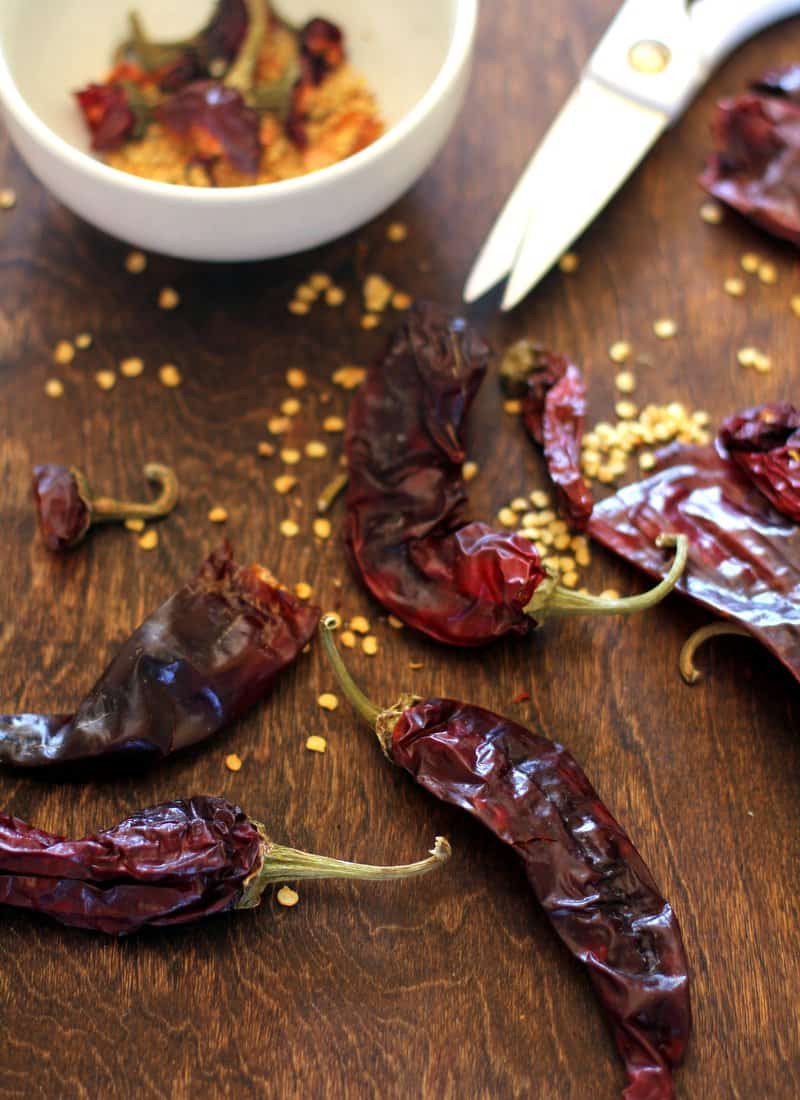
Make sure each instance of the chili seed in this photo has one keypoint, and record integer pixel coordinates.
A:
(767, 274)
(322, 527)
(750, 262)
(149, 540)
(665, 328)
(277, 425)
(296, 378)
(287, 897)
(328, 701)
(583, 557)
(735, 286)
(625, 410)
(519, 504)
(395, 623)
(348, 639)
(8, 199)
(134, 523)
(169, 376)
(359, 624)
(609, 594)
(415, 665)
(303, 591)
(401, 301)
(513, 406)
(106, 379)
(290, 407)
(265, 449)
(64, 352)
(298, 308)
(289, 529)
(570, 579)
(569, 263)
(83, 340)
(316, 449)
(396, 232)
(285, 483)
(54, 387)
(333, 424)
(377, 292)
(291, 456)
(132, 367)
(305, 293)
(319, 280)
(349, 377)
(561, 542)
(370, 645)
(711, 213)
(218, 515)
(747, 356)
(507, 517)
(335, 296)
(168, 298)
(315, 743)
(625, 381)
(469, 470)
(539, 499)
(233, 762)
(647, 460)
(794, 305)
(620, 352)
(370, 321)
(135, 262)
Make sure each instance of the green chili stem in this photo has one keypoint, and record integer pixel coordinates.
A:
(551, 600)
(108, 510)
(240, 74)
(279, 864)
(688, 671)
(365, 707)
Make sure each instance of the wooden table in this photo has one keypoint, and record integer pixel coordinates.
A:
(455, 987)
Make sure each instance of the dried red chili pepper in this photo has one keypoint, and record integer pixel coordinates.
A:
(461, 583)
(756, 165)
(109, 114)
(554, 412)
(322, 50)
(198, 662)
(173, 864)
(67, 507)
(216, 119)
(765, 443)
(594, 886)
(744, 556)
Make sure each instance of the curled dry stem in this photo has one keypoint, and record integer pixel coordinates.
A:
(109, 510)
(687, 666)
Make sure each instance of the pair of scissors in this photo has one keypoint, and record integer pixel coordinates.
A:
(654, 58)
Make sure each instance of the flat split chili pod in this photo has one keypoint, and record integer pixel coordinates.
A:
(553, 395)
(594, 886)
(744, 555)
(197, 663)
(461, 583)
(67, 507)
(173, 864)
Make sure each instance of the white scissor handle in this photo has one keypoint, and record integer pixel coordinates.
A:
(693, 40)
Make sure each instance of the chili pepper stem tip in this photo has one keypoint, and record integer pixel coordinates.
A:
(551, 600)
(355, 696)
(689, 672)
(109, 510)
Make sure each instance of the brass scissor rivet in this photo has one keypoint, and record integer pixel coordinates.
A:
(649, 57)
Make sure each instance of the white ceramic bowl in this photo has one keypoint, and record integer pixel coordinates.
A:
(415, 54)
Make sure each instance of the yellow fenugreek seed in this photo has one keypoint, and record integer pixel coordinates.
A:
(315, 743)
(322, 527)
(233, 762)
(360, 624)
(83, 340)
(277, 425)
(647, 460)
(290, 406)
(794, 305)
(168, 298)
(625, 381)
(583, 557)
(106, 379)
(135, 262)
(333, 424)
(625, 410)
(377, 293)
(316, 449)
(747, 356)
(561, 542)
(767, 274)
(507, 517)
(287, 897)
(620, 352)
(519, 504)
(334, 296)
(665, 328)
(396, 232)
(570, 579)
(469, 470)
(319, 280)
(735, 286)
(149, 540)
(296, 378)
(298, 308)
(169, 376)
(540, 499)
(289, 529)
(546, 538)
(131, 367)
(303, 591)
(711, 213)
(64, 352)
(284, 484)
(291, 456)
(370, 645)
(134, 523)
(328, 701)
(605, 475)
(349, 377)
(54, 387)
(348, 639)
(750, 262)
(763, 364)
(569, 263)
(217, 515)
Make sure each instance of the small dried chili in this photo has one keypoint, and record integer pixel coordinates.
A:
(198, 662)
(594, 886)
(67, 507)
(744, 556)
(554, 411)
(173, 864)
(110, 115)
(756, 165)
(765, 443)
(461, 583)
(217, 120)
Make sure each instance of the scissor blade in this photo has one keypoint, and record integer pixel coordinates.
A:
(591, 149)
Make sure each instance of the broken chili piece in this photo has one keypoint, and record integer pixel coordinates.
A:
(110, 115)
(594, 886)
(765, 443)
(217, 121)
(461, 583)
(756, 165)
(553, 395)
(744, 555)
(197, 663)
(321, 50)
(67, 507)
(173, 864)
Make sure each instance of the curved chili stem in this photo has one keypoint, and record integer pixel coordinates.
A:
(551, 600)
(688, 671)
(108, 510)
(240, 75)
(280, 863)
(365, 707)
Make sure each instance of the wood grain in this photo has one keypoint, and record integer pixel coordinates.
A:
(454, 987)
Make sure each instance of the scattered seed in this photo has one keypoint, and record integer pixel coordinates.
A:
(519, 504)
(169, 376)
(277, 425)
(513, 406)
(233, 762)
(334, 296)
(63, 352)
(315, 743)
(8, 199)
(218, 515)
(290, 407)
(305, 293)
(303, 591)
(333, 424)
(507, 517)
(370, 645)
(134, 523)
(609, 594)
(168, 298)
(265, 449)
(316, 449)
(747, 356)
(348, 639)
(287, 897)
(149, 540)
(620, 352)
(322, 527)
(135, 262)
(349, 377)
(539, 498)
(570, 579)
(665, 328)
(132, 367)
(395, 623)
(750, 262)
(291, 456)
(625, 381)
(296, 378)
(328, 701)
(359, 624)
(370, 321)
(569, 263)
(319, 280)
(735, 286)
(285, 483)
(625, 410)
(377, 291)
(298, 308)
(83, 340)
(396, 232)
(415, 665)
(647, 460)
(401, 301)
(289, 528)
(106, 379)
(767, 274)
(762, 363)
(711, 213)
(54, 387)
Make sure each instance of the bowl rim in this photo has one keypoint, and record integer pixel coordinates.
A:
(459, 49)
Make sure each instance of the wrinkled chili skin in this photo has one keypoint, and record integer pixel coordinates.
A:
(172, 864)
(108, 114)
(756, 165)
(765, 443)
(594, 886)
(744, 556)
(64, 516)
(217, 119)
(461, 583)
(198, 662)
(321, 51)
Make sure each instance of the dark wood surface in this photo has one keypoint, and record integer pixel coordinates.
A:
(453, 987)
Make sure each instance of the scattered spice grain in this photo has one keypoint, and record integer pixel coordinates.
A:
(63, 353)
(315, 743)
(303, 591)
(289, 529)
(767, 274)
(169, 376)
(349, 377)
(296, 378)
(750, 262)
(168, 298)
(370, 645)
(290, 406)
(131, 367)
(513, 406)
(218, 515)
(54, 387)
(83, 340)
(625, 381)
(711, 213)
(569, 263)
(287, 897)
(333, 424)
(665, 328)
(469, 471)
(328, 701)
(401, 301)
(620, 352)
(277, 425)
(370, 321)
(315, 448)
(291, 456)
(233, 762)
(8, 199)
(106, 379)
(149, 540)
(319, 280)
(335, 296)
(265, 449)
(284, 483)
(396, 232)
(298, 308)
(359, 624)
(135, 262)
(735, 286)
(134, 523)
(322, 527)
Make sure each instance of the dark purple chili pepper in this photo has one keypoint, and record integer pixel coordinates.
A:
(765, 443)
(217, 120)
